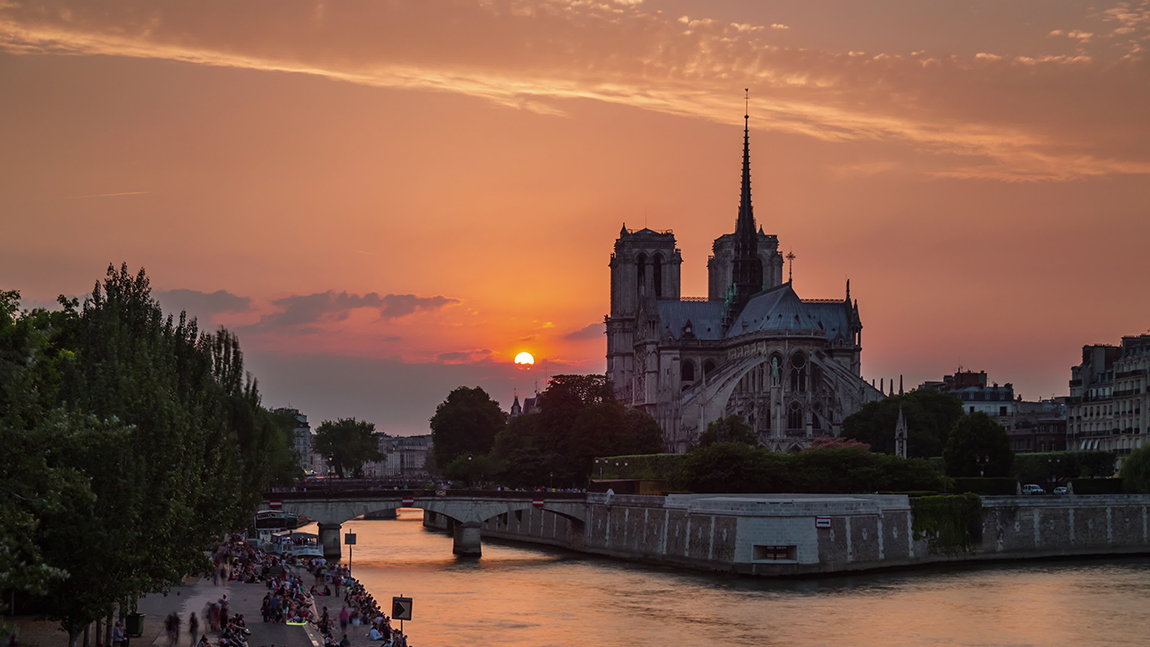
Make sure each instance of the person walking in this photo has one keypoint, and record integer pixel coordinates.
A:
(193, 628)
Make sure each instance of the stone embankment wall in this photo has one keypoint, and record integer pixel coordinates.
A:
(805, 534)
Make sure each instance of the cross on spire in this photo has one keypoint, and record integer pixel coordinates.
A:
(791, 266)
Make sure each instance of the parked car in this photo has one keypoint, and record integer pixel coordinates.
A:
(1031, 488)
(1060, 489)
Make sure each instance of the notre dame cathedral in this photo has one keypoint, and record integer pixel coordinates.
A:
(790, 366)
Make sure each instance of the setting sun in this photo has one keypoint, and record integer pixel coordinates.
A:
(524, 358)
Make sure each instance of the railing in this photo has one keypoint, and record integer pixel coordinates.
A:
(695, 299)
(1137, 371)
(1127, 392)
(297, 494)
(823, 300)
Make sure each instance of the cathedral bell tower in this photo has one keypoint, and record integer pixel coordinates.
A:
(645, 266)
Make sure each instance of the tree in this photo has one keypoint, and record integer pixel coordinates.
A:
(579, 420)
(732, 429)
(347, 444)
(1135, 471)
(978, 446)
(929, 415)
(466, 422)
(143, 414)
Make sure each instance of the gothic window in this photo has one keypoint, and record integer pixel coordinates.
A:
(795, 416)
(658, 276)
(641, 264)
(687, 372)
(708, 367)
(798, 373)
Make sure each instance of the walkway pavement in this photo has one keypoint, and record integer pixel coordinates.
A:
(242, 598)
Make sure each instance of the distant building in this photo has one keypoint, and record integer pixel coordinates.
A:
(303, 438)
(978, 397)
(1039, 426)
(1109, 407)
(402, 456)
(530, 405)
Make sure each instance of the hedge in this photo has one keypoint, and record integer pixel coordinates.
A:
(1045, 467)
(986, 486)
(950, 524)
(661, 467)
(1096, 486)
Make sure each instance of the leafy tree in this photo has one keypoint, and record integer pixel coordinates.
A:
(1047, 467)
(929, 415)
(579, 419)
(732, 429)
(1135, 471)
(466, 422)
(155, 421)
(978, 446)
(473, 469)
(347, 444)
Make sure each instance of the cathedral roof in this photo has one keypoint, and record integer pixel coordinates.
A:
(705, 317)
(778, 309)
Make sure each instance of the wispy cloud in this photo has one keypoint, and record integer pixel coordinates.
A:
(590, 331)
(331, 306)
(110, 195)
(202, 304)
(1039, 117)
(464, 356)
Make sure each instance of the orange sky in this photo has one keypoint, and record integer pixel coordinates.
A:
(390, 199)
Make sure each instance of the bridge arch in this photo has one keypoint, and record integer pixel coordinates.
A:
(466, 512)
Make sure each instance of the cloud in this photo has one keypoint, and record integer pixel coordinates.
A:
(299, 310)
(777, 25)
(201, 304)
(1019, 118)
(590, 331)
(464, 356)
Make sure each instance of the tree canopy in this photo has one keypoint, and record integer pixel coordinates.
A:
(929, 415)
(465, 423)
(732, 429)
(1135, 471)
(579, 419)
(347, 444)
(978, 446)
(112, 401)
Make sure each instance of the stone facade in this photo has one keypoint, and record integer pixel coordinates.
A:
(790, 366)
(1109, 403)
(794, 534)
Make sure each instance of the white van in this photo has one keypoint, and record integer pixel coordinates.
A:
(1032, 489)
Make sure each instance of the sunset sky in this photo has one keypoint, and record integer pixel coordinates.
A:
(389, 199)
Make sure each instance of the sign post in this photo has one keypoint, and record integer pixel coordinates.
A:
(400, 610)
(349, 539)
(275, 504)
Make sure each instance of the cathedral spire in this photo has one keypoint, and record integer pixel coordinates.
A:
(747, 270)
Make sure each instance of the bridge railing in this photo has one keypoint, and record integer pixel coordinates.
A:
(304, 493)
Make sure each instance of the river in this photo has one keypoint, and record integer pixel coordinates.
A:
(522, 596)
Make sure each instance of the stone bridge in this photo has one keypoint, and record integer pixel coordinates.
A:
(465, 510)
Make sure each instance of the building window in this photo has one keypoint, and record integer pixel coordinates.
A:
(795, 416)
(687, 372)
(774, 553)
(798, 373)
(1002, 411)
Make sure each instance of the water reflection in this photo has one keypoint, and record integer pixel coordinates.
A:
(528, 596)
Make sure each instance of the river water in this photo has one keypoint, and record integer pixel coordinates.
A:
(522, 596)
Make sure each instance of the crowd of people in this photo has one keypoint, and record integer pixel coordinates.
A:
(289, 599)
(358, 608)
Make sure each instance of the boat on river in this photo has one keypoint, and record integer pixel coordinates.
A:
(293, 543)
